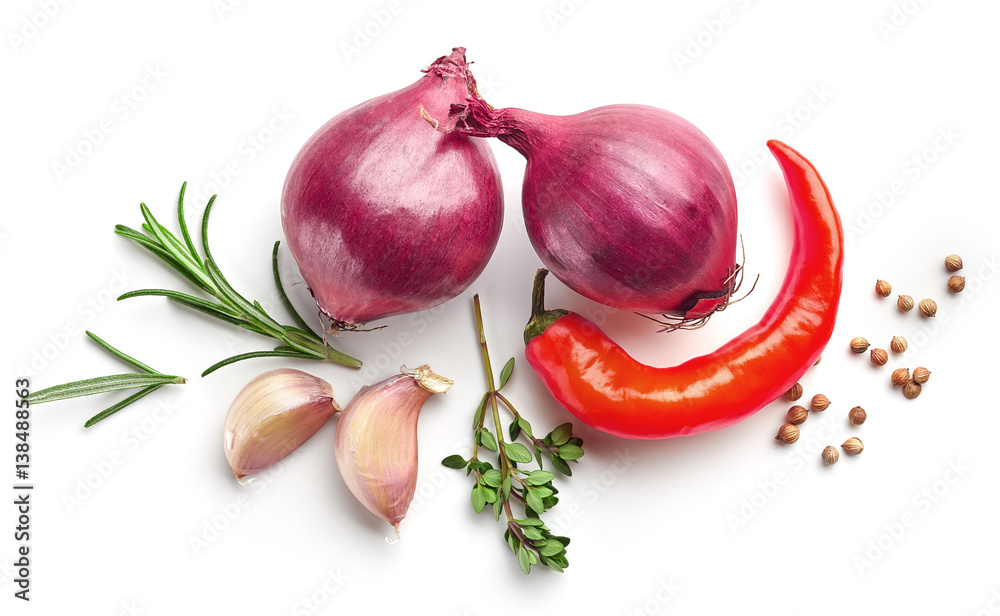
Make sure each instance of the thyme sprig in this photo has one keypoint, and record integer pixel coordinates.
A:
(298, 341)
(531, 490)
(148, 379)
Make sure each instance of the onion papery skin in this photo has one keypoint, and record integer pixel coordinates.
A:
(631, 206)
(385, 217)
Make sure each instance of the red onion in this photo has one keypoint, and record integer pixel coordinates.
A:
(385, 217)
(629, 205)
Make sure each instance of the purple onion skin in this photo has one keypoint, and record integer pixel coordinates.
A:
(385, 217)
(629, 205)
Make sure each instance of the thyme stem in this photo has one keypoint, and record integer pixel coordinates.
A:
(528, 537)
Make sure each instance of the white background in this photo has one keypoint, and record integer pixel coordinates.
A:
(716, 523)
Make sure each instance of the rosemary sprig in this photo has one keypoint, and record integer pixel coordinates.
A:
(532, 490)
(148, 379)
(298, 341)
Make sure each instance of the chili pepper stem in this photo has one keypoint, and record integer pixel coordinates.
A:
(540, 317)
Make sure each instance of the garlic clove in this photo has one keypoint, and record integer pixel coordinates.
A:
(376, 441)
(272, 416)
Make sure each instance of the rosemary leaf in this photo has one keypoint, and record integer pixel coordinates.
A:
(253, 355)
(122, 356)
(223, 313)
(204, 227)
(167, 240)
(100, 385)
(281, 291)
(114, 408)
(184, 228)
(198, 280)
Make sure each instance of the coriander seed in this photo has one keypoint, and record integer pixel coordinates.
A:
(920, 375)
(883, 288)
(956, 284)
(787, 433)
(928, 308)
(794, 392)
(897, 344)
(830, 455)
(859, 345)
(857, 416)
(900, 377)
(797, 415)
(904, 303)
(853, 446)
(911, 390)
(879, 357)
(819, 402)
(818, 359)
(953, 263)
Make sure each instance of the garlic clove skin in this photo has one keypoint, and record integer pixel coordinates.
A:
(272, 416)
(376, 441)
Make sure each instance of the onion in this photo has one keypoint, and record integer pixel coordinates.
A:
(385, 217)
(629, 205)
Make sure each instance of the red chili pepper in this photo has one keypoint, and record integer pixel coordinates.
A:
(596, 380)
